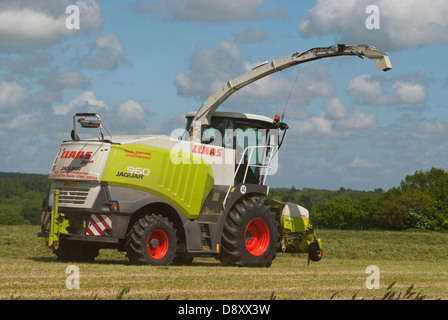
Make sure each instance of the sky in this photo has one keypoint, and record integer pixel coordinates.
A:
(142, 64)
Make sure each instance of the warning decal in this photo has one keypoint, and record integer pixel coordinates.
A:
(98, 223)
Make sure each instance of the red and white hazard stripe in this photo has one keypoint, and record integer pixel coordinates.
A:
(98, 223)
(45, 217)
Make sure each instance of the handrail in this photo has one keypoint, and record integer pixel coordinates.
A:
(265, 165)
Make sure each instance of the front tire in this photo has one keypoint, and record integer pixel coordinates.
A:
(250, 235)
(152, 240)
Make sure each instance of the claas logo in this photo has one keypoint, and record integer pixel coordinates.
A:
(76, 155)
(84, 156)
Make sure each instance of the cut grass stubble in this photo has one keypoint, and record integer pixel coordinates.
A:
(28, 271)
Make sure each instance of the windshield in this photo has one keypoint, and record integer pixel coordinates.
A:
(247, 137)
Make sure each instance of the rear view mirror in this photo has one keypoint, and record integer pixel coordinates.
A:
(86, 121)
(89, 123)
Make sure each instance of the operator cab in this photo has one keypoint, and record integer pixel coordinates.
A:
(254, 138)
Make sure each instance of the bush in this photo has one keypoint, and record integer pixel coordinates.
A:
(9, 215)
(21, 198)
(336, 213)
(420, 202)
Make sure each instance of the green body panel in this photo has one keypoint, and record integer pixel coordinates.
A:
(185, 185)
(300, 241)
(299, 244)
(293, 224)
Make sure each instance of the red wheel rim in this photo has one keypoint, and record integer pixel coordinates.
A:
(257, 237)
(157, 244)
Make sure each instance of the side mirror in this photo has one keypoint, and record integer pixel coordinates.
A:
(89, 123)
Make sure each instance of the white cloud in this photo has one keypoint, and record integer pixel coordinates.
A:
(130, 111)
(23, 28)
(133, 117)
(369, 91)
(90, 12)
(358, 121)
(108, 51)
(319, 126)
(361, 163)
(402, 23)
(312, 82)
(70, 79)
(407, 92)
(297, 112)
(26, 28)
(430, 130)
(335, 109)
(203, 10)
(20, 122)
(53, 87)
(336, 121)
(313, 127)
(86, 102)
(210, 68)
(251, 35)
(11, 94)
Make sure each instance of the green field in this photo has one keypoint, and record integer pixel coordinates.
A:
(416, 263)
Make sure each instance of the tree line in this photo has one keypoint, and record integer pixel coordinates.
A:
(21, 197)
(420, 201)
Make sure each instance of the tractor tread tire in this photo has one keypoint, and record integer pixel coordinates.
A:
(233, 251)
(136, 240)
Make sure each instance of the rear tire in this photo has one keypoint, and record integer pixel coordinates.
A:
(250, 236)
(152, 240)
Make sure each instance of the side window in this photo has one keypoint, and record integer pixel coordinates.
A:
(220, 133)
(227, 139)
(211, 136)
(249, 135)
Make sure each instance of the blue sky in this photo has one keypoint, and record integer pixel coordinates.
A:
(142, 64)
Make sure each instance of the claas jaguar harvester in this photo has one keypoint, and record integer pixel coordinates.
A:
(165, 200)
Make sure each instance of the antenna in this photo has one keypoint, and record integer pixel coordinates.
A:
(289, 95)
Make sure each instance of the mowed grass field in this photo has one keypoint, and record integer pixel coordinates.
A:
(416, 263)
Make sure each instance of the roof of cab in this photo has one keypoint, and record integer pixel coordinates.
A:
(247, 116)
